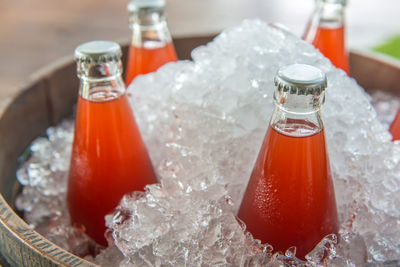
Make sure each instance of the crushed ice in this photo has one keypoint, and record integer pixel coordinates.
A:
(203, 123)
(386, 105)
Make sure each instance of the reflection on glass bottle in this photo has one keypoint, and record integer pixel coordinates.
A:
(151, 45)
(109, 158)
(290, 199)
(326, 31)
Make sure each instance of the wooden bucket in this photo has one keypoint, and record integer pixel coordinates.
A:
(49, 98)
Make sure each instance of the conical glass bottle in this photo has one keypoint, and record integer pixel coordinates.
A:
(290, 199)
(109, 158)
(326, 31)
(151, 45)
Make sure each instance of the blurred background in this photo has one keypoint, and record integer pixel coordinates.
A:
(36, 33)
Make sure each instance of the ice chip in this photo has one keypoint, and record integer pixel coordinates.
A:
(386, 106)
(324, 249)
(111, 256)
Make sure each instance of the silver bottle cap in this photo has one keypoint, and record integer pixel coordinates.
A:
(301, 79)
(136, 6)
(341, 2)
(98, 51)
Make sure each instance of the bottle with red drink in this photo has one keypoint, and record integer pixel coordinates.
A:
(151, 45)
(109, 158)
(326, 31)
(290, 199)
(395, 127)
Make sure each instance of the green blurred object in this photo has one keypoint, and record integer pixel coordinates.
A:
(391, 47)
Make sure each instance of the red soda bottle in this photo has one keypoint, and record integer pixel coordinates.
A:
(290, 199)
(109, 158)
(395, 127)
(326, 31)
(151, 41)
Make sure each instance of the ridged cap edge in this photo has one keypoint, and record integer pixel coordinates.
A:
(98, 51)
(301, 79)
(143, 5)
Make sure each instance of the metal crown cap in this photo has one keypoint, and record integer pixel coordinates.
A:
(98, 51)
(300, 79)
(341, 2)
(145, 5)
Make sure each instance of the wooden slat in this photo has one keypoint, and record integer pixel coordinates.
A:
(375, 72)
(23, 120)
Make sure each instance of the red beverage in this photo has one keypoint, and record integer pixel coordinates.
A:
(151, 45)
(331, 43)
(290, 183)
(109, 159)
(145, 60)
(395, 127)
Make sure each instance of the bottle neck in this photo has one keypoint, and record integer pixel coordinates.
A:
(100, 82)
(327, 14)
(297, 115)
(149, 29)
(331, 13)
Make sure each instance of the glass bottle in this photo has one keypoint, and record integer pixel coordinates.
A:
(326, 31)
(290, 199)
(109, 158)
(394, 128)
(151, 45)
